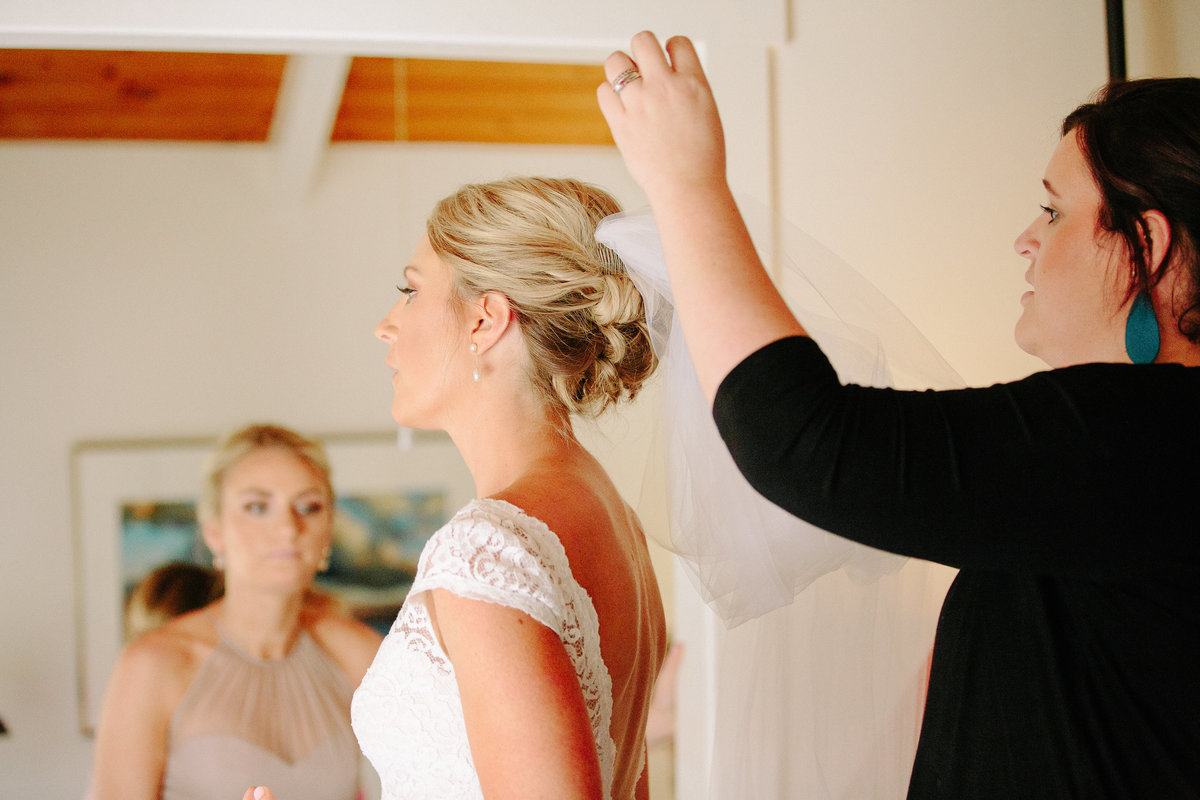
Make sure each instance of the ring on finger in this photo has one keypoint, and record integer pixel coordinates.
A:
(624, 79)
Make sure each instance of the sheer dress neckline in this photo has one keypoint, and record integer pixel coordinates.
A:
(286, 706)
(229, 644)
(281, 722)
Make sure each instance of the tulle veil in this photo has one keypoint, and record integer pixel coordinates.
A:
(822, 664)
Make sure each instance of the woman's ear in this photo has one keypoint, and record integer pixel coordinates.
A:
(211, 533)
(1157, 233)
(491, 317)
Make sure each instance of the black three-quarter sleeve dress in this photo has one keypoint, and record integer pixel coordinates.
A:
(1067, 657)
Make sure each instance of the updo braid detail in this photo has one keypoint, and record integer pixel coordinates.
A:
(533, 240)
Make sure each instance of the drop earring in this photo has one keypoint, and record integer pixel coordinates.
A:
(218, 561)
(475, 370)
(1141, 331)
(323, 564)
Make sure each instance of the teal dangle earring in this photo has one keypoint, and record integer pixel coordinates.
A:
(1141, 330)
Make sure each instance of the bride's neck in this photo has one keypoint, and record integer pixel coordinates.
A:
(500, 447)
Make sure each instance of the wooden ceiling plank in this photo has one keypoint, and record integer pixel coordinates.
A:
(474, 101)
(367, 111)
(137, 95)
(70, 94)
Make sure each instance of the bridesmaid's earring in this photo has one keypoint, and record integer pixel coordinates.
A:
(475, 371)
(1141, 331)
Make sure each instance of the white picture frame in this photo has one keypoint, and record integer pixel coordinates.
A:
(107, 476)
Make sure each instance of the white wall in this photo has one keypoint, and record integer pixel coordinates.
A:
(913, 138)
(917, 153)
(1163, 37)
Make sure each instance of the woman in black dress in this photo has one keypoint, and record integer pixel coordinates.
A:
(1067, 651)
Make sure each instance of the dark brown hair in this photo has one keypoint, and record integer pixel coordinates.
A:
(170, 590)
(1141, 140)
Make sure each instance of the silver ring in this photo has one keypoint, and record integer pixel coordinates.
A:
(624, 79)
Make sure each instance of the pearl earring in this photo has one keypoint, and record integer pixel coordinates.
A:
(475, 371)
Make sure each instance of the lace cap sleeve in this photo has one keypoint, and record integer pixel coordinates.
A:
(492, 551)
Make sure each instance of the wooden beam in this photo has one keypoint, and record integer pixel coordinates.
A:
(437, 100)
(373, 103)
(92, 94)
(82, 94)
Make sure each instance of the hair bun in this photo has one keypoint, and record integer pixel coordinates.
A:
(533, 240)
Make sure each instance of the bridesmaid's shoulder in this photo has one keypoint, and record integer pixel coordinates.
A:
(171, 652)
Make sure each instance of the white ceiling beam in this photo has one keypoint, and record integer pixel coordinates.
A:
(515, 29)
(305, 112)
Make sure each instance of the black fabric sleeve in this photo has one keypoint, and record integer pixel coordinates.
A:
(1085, 471)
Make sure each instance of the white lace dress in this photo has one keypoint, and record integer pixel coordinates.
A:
(407, 713)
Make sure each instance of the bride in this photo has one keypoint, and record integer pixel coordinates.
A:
(495, 680)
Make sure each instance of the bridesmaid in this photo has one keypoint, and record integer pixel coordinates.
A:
(255, 686)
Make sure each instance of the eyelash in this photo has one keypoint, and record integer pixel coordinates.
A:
(1052, 212)
(407, 291)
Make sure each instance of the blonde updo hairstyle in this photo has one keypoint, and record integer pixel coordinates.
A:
(241, 443)
(533, 241)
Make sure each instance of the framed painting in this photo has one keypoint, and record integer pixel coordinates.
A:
(134, 509)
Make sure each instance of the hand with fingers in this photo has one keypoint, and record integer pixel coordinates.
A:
(663, 118)
(666, 125)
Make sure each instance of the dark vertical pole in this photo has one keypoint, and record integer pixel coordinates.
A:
(1116, 39)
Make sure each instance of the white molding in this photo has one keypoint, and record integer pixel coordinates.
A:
(383, 27)
(305, 112)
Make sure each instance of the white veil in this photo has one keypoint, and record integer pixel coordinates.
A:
(819, 692)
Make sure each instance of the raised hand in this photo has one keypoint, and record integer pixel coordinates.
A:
(664, 121)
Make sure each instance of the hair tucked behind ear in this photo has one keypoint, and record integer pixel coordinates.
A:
(533, 241)
(1141, 140)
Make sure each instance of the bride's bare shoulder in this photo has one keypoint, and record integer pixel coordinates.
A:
(595, 526)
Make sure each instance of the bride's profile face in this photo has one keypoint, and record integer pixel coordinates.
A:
(428, 346)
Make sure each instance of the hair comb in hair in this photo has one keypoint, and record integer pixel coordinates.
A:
(610, 261)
